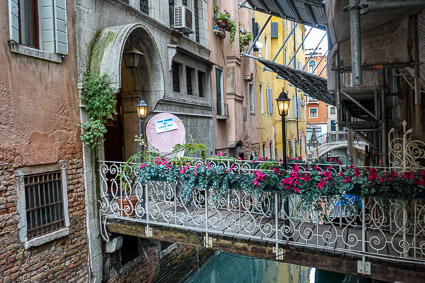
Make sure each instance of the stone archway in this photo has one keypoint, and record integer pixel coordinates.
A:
(146, 82)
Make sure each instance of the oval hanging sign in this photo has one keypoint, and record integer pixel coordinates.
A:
(164, 131)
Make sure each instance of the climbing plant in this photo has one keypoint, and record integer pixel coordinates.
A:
(100, 103)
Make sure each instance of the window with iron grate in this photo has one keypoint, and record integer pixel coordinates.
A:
(196, 8)
(44, 203)
(201, 76)
(144, 6)
(176, 76)
(189, 73)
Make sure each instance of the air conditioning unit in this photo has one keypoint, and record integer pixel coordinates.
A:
(183, 19)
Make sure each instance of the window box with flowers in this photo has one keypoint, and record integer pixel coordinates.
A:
(223, 22)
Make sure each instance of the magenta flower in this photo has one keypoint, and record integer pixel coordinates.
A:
(220, 154)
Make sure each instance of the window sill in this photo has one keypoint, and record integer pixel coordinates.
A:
(36, 53)
(46, 238)
(222, 117)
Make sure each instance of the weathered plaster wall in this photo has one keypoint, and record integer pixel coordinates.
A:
(38, 125)
(158, 41)
(235, 129)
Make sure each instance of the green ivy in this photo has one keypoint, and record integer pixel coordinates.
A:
(100, 103)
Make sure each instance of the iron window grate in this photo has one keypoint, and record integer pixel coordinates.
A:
(144, 6)
(44, 203)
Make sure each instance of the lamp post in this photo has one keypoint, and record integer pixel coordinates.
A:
(142, 111)
(283, 107)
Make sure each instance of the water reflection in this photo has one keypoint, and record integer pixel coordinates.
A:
(230, 268)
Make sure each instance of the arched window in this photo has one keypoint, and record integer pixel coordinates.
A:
(311, 66)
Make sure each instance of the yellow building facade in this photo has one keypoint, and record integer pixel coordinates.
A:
(269, 86)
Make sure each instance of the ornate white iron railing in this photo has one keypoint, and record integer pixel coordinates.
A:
(345, 224)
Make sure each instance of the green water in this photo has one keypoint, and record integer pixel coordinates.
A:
(230, 268)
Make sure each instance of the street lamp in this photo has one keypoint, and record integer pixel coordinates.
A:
(132, 58)
(283, 107)
(142, 111)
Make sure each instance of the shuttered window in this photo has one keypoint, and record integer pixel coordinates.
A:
(299, 108)
(294, 106)
(269, 101)
(275, 31)
(251, 98)
(34, 20)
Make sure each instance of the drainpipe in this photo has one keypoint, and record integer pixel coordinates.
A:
(417, 73)
(213, 117)
(384, 125)
(356, 52)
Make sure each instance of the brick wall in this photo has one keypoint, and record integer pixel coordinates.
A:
(150, 266)
(64, 259)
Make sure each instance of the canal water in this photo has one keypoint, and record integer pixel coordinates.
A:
(230, 268)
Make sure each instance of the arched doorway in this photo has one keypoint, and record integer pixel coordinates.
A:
(146, 82)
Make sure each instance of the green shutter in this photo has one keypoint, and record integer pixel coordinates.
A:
(14, 20)
(60, 27)
(48, 26)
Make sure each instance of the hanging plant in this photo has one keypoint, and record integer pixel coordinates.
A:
(244, 38)
(224, 22)
(100, 103)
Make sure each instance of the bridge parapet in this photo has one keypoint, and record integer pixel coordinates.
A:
(363, 227)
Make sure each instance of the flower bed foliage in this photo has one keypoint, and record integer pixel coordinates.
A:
(312, 183)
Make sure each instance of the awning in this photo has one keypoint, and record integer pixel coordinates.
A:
(306, 12)
(310, 84)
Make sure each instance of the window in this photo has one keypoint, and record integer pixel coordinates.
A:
(261, 99)
(269, 101)
(251, 98)
(313, 113)
(286, 56)
(286, 23)
(39, 24)
(299, 108)
(333, 110)
(196, 8)
(294, 106)
(175, 68)
(219, 91)
(293, 61)
(144, 6)
(189, 73)
(43, 200)
(298, 64)
(201, 76)
(266, 48)
(274, 30)
(333, 125)
(312, 66)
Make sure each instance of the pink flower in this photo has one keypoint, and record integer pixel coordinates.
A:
(422, 174)
(239, 158)
(339, 162)
(408, 175)
(348, 180)
(331, 159)
(357, 172)
(255, 182)
(373, 174)
(220, 154)
(300, 158)
(182, 171)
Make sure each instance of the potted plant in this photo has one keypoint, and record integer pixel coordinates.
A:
(244, 38)
(224, 22)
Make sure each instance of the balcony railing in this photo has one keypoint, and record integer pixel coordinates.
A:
(338, 223)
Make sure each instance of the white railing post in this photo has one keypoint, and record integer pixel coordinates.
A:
(147, 200)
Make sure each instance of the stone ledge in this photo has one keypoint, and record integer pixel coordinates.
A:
(36, 53)
(46, 238)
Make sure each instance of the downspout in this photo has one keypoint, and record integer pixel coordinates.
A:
(213, 117)
(417, 74)
(355, 33)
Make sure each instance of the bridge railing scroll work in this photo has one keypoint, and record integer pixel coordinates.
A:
(346, 224)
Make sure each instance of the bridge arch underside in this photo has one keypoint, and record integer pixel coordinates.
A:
(338, 146)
